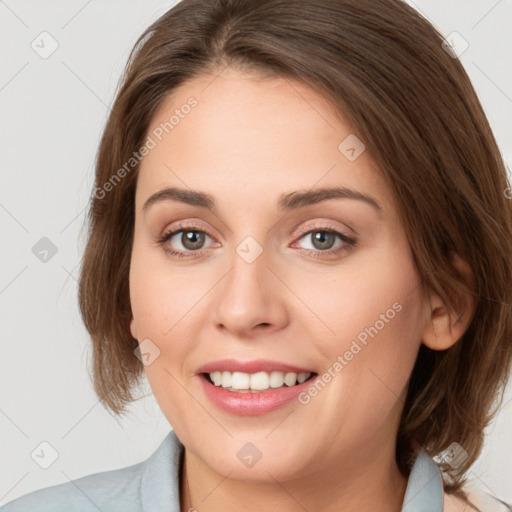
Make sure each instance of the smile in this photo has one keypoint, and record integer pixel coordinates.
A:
(255, 382)
(251, 388)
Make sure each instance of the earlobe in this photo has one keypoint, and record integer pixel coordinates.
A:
(439, 332)
(444, 327)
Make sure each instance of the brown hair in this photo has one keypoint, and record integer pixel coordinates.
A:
(384, 69)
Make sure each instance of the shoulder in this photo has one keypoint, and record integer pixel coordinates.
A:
(472, 498)
(109, 491)
(150, 484)
(456, 503)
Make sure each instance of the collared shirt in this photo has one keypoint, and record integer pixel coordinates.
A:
(153, 486)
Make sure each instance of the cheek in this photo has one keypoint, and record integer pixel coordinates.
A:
(161, 303)
(160, 294)
(377, 294)
(371, 326)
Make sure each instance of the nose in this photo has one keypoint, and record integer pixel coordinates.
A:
(251, 298)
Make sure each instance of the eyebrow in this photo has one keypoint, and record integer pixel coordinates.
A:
(287, 202)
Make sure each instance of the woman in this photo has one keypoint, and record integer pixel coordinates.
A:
(300, 234)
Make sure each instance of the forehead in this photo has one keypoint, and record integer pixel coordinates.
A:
(228, 131)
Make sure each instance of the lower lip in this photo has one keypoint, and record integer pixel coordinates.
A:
(252, 404)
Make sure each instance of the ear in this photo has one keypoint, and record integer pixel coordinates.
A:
(133, 328)
(444, 328)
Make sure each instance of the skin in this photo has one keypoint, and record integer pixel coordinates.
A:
(246, 142)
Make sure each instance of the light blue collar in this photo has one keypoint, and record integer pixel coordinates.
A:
(160, 481)
(424, 491)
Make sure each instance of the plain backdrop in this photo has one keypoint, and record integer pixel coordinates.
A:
(53, 109)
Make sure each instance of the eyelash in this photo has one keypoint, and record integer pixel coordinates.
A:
(350, 243)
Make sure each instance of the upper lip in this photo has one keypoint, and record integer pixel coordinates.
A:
(253, 366)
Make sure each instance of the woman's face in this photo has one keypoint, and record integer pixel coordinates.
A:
(266, 275)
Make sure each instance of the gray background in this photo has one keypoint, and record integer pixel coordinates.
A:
(53, 111)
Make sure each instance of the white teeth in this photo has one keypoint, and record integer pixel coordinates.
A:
(290, 379)
(239, 380)
(303, 377)
(216, 378)
(259, 381)
(276, 379)
(226, 379)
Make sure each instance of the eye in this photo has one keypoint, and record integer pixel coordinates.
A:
(183, 240)
(189, 241)
(323, 242)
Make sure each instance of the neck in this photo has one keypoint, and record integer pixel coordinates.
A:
(374, 485)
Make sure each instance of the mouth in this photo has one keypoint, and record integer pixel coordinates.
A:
(258, 382)
(253, 388)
